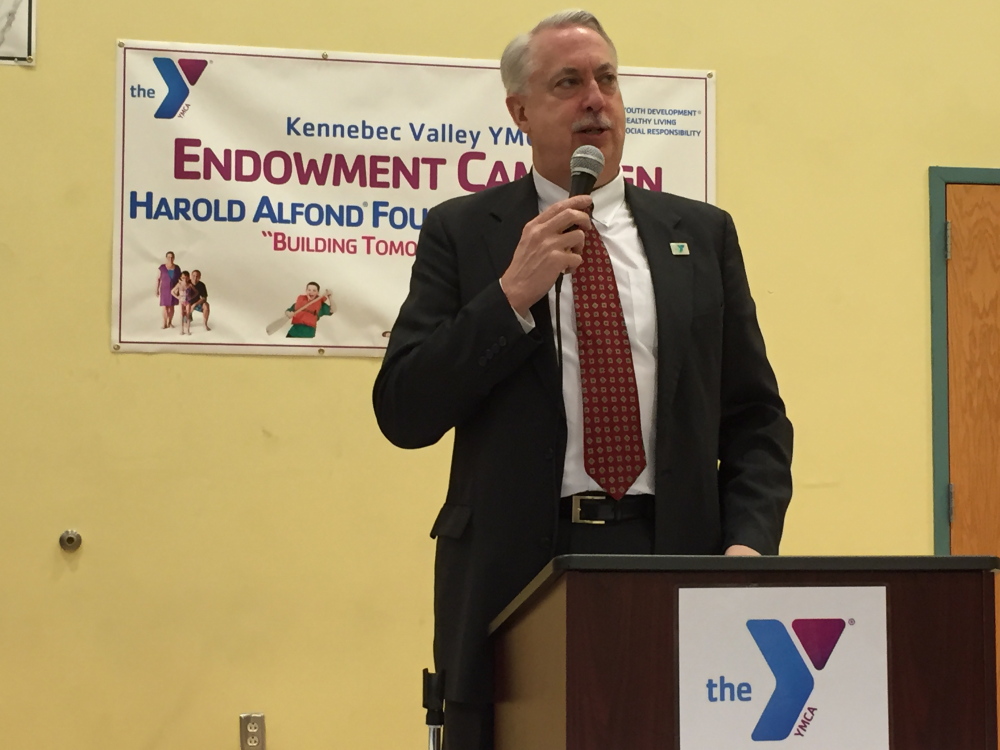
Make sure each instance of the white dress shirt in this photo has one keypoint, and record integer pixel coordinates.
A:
(615, 224)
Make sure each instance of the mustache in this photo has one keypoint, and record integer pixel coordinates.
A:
(594, 121)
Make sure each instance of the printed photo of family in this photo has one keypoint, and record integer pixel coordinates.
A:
(305, 313)
(176, 288)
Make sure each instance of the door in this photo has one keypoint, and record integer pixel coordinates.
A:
(973, 213)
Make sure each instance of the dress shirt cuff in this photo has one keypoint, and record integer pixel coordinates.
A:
(528, 323)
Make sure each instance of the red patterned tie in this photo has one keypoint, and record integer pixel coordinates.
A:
(612, 435)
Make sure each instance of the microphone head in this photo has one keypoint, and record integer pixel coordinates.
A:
(587, 159)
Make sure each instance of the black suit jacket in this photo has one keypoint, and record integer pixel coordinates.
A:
(458, 358)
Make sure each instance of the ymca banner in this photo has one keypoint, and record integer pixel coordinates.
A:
(805, 667)
(269, 201)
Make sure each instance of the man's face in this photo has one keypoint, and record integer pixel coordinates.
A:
(196, 276)
(571, 99)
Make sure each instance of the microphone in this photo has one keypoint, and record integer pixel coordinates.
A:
(585, 166)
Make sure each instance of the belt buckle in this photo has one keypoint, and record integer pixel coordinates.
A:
(575, 514)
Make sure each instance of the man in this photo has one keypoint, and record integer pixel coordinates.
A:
(474, 349)
(201, 303)
(307, 310)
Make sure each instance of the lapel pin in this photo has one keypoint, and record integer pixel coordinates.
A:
(679, 248)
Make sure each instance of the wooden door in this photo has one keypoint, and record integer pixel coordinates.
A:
(973, 214)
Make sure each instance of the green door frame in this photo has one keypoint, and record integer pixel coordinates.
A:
(940, 178)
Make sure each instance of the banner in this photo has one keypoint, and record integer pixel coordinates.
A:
(295, 184)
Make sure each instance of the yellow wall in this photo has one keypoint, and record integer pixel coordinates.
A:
(223, 572)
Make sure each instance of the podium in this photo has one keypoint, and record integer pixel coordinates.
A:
(587, 656)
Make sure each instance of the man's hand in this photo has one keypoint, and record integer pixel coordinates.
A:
(546, 250)
(741, 550)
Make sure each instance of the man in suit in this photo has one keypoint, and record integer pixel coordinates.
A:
(474, 349)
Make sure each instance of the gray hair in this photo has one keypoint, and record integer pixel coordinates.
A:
(515, 63)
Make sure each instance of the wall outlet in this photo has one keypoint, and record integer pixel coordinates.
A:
(252, 735)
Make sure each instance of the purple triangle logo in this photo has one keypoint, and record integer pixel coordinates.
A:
(192, 69)
(818, 638)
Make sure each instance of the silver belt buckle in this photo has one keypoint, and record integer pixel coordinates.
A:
(575, 513)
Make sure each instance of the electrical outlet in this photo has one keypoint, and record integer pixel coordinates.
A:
(252, 735)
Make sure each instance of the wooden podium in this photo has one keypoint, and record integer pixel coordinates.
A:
(582, 664)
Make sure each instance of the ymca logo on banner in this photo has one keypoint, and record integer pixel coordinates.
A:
(800, 665)
(177, 84)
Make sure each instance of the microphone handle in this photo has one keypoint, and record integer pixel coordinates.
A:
(581, 183)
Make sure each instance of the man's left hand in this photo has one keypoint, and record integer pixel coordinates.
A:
(741, 550)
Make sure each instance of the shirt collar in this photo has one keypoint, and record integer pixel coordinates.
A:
(608, 199)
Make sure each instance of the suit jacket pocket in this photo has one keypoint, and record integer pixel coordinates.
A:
(451, 521)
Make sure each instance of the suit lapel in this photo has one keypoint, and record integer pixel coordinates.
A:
(672, 276)
(515, 206)
(508, 217)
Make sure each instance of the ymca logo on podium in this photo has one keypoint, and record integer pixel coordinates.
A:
(783, 665)
(793, 680)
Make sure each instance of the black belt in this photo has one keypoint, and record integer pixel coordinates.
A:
(599, 507)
